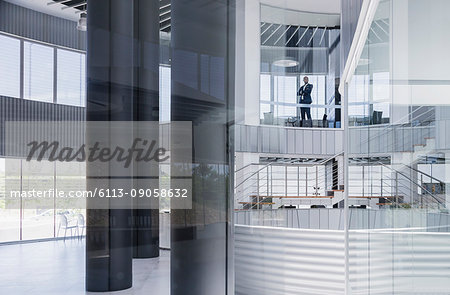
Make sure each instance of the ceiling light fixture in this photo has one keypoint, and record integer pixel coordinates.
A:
(286, 63)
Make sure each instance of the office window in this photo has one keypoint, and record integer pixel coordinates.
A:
(9, 215)
(38, 214)
(265, 94)
(318, 92)
(284, 94)
(9, 66)
(264, 109)
(38, 72)
(265, 87)
(285, 91)
(71, 74)
(358, 95)
(381, 93)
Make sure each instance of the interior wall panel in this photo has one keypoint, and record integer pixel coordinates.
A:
(24, 22)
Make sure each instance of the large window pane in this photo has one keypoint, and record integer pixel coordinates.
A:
(9, 66)
(265, 88)
(38, 72)
(71, 78)
(9, 213)
(285, 91)
(38, 214)
(265, 95)
(71, 179)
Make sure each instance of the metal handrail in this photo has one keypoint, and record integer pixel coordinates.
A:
(286, 164)
(423, 173)
(392, 126)
(412, 181)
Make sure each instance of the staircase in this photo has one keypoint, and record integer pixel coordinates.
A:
(289, 185)
(319, 185)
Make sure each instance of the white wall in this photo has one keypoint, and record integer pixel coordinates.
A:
(420, 58)
(319, 6)
(248, 59)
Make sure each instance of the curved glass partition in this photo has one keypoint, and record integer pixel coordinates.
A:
(398, 149)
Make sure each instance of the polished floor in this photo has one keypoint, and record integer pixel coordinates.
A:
(57, 267)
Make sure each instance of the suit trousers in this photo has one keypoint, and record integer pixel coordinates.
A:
(305, 112)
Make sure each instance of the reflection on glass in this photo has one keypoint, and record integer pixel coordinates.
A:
(398, 169)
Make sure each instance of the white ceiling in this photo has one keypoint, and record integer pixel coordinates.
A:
(319, 6)
(275, 15)
(55, 9)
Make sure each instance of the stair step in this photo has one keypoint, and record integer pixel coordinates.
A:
(256, 203)
(296, 197)
(304, 197)
(373, 197)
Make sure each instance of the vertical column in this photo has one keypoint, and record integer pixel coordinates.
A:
(110, 97)
(202, 93)
(248, 61)
(146, 221)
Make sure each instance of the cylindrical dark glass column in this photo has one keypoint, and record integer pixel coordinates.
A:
(122, 71)
(202, 93)
(146, 221)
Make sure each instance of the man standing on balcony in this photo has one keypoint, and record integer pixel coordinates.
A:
(305, 98)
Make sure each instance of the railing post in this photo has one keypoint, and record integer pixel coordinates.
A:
(271, 180)
(317, 180)
(421, 190)
(306, 182)
(431, 191)
(363, 184)
(298, 181)
(267, 175)
(257, 189)
(285, 181)
(381, 186)
(396, 189)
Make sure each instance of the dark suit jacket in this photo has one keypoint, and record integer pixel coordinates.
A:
(305, 94)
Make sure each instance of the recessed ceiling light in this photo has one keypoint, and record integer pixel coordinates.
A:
(285, 63)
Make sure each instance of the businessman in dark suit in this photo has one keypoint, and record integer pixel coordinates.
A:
(304, 94)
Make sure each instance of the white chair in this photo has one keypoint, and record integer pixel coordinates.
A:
(64, 224)
(81, 225)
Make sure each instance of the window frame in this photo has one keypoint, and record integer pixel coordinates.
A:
(55, 65)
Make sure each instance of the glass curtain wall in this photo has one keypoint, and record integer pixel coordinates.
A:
(399, 222)
(38, 219)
